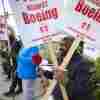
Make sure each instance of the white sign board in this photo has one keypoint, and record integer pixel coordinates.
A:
(37, 17)
(82, 17)
(3, 28)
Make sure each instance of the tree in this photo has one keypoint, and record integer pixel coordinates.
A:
(97, 63)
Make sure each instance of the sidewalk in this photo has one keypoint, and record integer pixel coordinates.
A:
(4, 85)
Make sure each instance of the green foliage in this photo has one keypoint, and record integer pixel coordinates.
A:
(97, 63)
(97, 93)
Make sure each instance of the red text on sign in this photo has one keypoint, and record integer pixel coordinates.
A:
(88, 11)
(40, 16)
(32, 7)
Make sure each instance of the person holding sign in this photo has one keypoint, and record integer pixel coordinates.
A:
(79, 86)
(27, 70)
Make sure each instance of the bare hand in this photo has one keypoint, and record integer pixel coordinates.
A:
(59, 74)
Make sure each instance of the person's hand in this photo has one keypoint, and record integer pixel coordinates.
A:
(59, 73)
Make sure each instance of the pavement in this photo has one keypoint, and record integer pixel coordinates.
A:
(4, 86)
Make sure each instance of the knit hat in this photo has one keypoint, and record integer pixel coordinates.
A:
(36, 59)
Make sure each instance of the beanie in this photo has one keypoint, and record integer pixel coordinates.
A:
(36, 59)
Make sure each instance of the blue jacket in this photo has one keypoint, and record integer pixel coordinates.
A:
(25, 68)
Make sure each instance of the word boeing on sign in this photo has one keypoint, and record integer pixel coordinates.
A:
(82, 17)
(40, 16)
(88, 11)
(36, 17)
(76, 17)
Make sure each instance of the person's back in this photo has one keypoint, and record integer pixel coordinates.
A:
(27, 69)
(79, 85)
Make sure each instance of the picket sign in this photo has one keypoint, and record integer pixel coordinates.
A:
(54, 60)
(82, 16)
(65, 62)
(55, 81)
(83, 24)
(35, 16)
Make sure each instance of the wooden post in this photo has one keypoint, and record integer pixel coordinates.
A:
(54, 60)
(65, 62)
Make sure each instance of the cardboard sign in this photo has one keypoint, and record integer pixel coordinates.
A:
(82, 17)
(35, 17)
(3, 28)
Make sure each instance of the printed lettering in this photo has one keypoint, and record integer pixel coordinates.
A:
(54, 13)
(79, 6)
(91, 12)
(40, 16)
(86, 10)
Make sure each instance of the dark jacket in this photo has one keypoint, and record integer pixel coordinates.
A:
(79, 84)
(15, 48)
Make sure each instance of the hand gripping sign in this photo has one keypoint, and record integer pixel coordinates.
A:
(65, 62)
